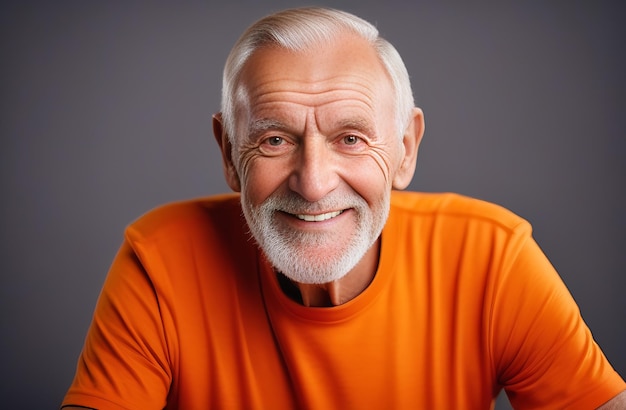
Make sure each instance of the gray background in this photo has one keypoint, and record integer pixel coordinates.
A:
(106, 110)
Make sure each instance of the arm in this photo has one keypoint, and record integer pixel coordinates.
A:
(544, 352)
(125, 361)
(616, 403)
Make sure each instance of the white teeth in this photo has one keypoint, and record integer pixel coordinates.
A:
(320, 217)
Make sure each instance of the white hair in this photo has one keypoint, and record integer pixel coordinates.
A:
(297, 29)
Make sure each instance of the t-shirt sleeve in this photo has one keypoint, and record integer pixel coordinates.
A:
(544, 353)
(124, 363)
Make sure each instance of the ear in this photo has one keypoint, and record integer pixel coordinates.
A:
(230, 171)
(410, 141)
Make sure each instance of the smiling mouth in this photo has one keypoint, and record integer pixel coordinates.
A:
(320, 217)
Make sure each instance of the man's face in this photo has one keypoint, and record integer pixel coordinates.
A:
(316, 152)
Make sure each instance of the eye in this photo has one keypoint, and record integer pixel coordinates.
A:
(273, 145)
(275, 141)
(350, 139)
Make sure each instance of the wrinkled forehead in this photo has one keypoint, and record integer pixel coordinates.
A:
(347, 62)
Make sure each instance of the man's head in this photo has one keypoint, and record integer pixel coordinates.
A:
(317, 127)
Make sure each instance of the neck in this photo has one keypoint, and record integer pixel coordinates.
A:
(347, 287)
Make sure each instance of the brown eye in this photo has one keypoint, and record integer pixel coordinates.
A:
(350, 139)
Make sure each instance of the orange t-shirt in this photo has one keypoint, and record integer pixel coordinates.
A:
(463, 303)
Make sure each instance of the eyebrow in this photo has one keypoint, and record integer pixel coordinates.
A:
(359, 124)
(261, 125)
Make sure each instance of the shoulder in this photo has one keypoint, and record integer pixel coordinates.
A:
(454, 208)
(187, 218)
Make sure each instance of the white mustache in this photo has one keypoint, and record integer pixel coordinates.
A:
(326, 208)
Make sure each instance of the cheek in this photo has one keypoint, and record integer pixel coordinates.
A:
(388, 158)
(261, 178)
(369, 178)
(382, 164)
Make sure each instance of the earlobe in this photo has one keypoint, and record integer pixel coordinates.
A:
(230, 171)
(411, 141)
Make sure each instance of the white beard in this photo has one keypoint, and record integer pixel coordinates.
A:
(314, 257)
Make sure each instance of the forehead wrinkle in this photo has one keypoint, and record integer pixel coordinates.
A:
(311, 99)
(313, 87)
(336, 104)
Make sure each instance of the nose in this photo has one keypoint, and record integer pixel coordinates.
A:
(315, 172)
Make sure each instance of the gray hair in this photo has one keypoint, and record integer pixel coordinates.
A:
(297, 29)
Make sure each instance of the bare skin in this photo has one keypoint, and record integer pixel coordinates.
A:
(616, 403)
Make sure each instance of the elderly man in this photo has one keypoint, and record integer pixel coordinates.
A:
(351, 294)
